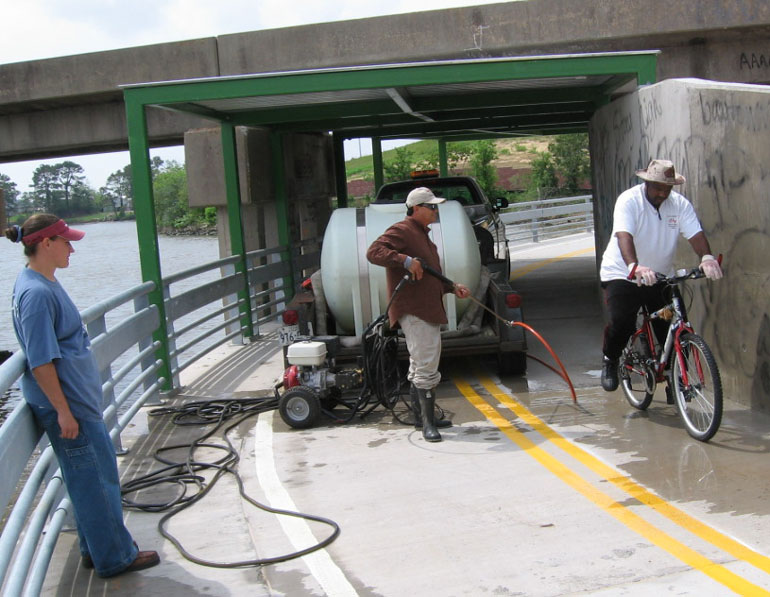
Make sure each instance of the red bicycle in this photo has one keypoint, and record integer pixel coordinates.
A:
(685, 363)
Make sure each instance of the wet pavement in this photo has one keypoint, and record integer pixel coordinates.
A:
(528, 494)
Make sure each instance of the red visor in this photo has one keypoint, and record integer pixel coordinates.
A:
(58, 228)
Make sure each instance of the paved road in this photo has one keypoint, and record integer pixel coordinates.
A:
(529, 494)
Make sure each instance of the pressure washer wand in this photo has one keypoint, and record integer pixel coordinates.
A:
(563, 374)
(447, 281)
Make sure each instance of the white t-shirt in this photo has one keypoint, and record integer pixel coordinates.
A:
(655, 232)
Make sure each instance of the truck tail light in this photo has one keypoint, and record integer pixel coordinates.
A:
(290, 317)
(513, 300)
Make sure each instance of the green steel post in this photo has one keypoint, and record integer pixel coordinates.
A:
(237, 243)
(647, 71)
(340, 176)
(379, 177)
(282, 209)
(146, 229)
(442, 158)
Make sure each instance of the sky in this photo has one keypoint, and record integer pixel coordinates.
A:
(37, 29)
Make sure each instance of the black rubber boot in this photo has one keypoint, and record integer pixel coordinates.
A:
(427, 403)
(441, 423)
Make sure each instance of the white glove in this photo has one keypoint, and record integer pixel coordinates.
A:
(710, 267)
(643, 275)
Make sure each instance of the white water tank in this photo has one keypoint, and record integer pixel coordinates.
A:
(356, 291)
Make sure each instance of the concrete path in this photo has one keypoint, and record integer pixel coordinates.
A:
(528, 494)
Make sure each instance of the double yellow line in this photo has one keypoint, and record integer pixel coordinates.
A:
(635, 522)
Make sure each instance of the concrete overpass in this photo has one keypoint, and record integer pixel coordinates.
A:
(73, 105)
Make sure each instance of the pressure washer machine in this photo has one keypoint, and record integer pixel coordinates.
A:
(314, 384)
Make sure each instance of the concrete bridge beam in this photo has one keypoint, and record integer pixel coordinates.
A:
(43, 102)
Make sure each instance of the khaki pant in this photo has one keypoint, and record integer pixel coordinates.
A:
(423, 341)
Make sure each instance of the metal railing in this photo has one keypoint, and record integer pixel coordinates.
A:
(269, 276)
(534, 221)
(32, 495)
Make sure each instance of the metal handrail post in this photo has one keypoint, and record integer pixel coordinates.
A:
(237, 243)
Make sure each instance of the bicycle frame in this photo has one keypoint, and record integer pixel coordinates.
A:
(676, 313)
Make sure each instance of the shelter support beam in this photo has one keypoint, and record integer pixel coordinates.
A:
(237, 244)
(146, 229)
(442, 158)
(377, 165)
(282, 209)
(340, 176)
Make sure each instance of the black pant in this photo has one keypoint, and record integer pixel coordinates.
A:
(623, 300)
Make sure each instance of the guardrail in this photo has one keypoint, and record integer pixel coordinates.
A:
(270, 274)
(32, 495)
(537, 220)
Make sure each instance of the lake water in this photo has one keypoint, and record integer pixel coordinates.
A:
(105, 263)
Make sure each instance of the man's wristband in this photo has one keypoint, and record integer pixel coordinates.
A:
(707, 258)
(631, 267)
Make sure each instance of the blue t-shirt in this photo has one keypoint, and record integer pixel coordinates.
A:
(49, 329)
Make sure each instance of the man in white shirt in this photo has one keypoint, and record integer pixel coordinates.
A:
(647, 221)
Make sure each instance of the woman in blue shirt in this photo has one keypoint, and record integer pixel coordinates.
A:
(62, 386)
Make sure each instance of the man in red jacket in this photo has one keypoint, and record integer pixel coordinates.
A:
(418, 308)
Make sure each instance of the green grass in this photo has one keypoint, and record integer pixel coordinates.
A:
(428, 149)
(362, 167)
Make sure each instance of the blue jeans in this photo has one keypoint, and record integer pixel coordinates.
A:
(90, 472)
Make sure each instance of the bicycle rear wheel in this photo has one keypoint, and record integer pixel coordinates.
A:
(636, 377)
(700, 400)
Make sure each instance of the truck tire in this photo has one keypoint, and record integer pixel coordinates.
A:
(299, 407)
(512, 363)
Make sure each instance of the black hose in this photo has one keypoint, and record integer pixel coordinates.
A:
(185, 474)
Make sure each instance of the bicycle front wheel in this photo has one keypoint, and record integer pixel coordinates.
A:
(699, 401)
(636, 376)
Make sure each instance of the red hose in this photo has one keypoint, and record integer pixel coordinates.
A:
(563, 373)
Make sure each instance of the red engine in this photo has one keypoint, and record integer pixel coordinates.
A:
(291, 377)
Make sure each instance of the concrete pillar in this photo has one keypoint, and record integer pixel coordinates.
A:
(309, 174)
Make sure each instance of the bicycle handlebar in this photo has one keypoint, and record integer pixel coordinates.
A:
(692, 274)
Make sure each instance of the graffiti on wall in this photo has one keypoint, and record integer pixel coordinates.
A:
(753, 60)
(753, 117)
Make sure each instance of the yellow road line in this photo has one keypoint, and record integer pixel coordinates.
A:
(633, 521)
(628, 485)
(518, 273)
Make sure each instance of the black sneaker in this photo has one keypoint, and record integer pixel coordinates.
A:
(609, 375)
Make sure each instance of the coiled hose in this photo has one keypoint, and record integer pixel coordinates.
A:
(185, 474)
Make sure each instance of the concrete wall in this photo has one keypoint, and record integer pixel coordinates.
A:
(717, 135)
(708, 35)
(70, 105)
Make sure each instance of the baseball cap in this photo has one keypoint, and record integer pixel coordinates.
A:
(422, 195)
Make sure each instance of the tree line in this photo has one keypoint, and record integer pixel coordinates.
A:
(62, 189)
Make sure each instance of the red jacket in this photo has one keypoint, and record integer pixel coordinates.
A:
(408, 238)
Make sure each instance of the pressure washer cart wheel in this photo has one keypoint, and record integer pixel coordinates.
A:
(299, 407)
